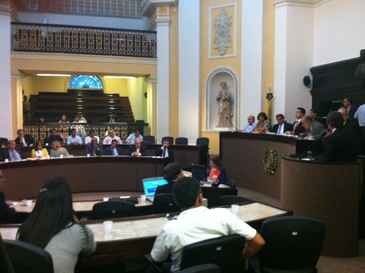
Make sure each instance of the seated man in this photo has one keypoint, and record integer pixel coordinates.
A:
(251, 126)
(171, 173)
(74, 139)
(11, 153)
(23, 140)
(298, 124)
(134, 137)
(57, 150)
(92, 148)
(198, 223)
(282, 127)
(53, 136)
(313, 128)
(341, 143)
(110, 137)
(92, 135)
(165, 151)
(137, 150)
(113, 149)
(7, 214)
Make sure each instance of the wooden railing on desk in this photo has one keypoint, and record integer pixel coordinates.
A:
(83, 40)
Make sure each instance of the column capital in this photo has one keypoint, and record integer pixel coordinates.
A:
(5, 8)
(149, 6)
(297, 3)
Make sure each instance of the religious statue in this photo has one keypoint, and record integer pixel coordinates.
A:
(225, 106)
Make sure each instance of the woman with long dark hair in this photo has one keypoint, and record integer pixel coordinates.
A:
(52, 225)
(217, 174)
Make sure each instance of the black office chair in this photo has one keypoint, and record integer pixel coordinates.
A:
(228, 200)
(293, 244)
(164, 203)
(181, 141)
(149, 140)
(202, 141)
(169, 139)
(199, 172)
(225, 252)
(113, 209)
(28, 258)
(6, 265)
(204, 268)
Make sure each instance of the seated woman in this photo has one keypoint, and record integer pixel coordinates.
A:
(263, 124)
(39, 152)
(52, 225)
(217, 174)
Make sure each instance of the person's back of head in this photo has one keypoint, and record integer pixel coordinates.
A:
(52, 213)
(187, 193)
(172, 171)
(334, 120)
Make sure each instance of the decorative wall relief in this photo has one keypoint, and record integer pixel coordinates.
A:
(222, 31)
(221, 100)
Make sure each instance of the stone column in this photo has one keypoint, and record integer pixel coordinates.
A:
(163, 73)
(6, 119)
(189, 69)
(294, 24)
(252, 58)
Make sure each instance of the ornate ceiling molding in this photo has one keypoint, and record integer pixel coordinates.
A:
(149, 6)
(299, 3)
(5, 8)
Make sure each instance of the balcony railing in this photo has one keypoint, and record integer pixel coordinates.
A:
(83, 40)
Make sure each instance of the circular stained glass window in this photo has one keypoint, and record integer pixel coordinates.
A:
(85, 82)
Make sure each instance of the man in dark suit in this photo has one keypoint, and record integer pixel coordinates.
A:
(92, 148)
(11, 153)
(298, 127)
(113, 149)
(282, 126)
(349, 107)
(341, 143)
(23, 140)
(166, 152)
(171, 172)
(7, 214)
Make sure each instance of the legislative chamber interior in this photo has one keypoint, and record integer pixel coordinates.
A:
(182, 136)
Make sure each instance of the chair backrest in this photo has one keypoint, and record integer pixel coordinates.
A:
(113, 209)
(181, 141)
(225, 252)
(164, 203)
(227, 200)
(149, 139)
(6, 265)
(204, 268)
(199, 172)
(202, 141)
(292, 243)
(169, 139)
(28, 258)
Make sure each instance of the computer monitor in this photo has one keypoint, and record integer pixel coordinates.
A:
(150, 185)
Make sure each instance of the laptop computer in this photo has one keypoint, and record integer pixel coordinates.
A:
(150, 186)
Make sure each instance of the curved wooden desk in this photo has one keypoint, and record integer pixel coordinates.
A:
(85, 174)
(245, 157)
(329, 192)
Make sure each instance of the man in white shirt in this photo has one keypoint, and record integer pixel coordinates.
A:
(251, 124)
(74, 139)
(112, 136)
(91, 136)
(198, 223)
(135, 137)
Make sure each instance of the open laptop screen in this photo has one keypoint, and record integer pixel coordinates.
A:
(150, 185)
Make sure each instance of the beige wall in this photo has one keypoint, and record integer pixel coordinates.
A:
(208, 65)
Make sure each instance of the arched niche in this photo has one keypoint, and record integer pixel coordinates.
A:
(222, 101)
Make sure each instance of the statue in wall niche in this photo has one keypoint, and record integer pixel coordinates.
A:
(225, 107)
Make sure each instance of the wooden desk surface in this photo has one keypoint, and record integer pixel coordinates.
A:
(150, 227)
